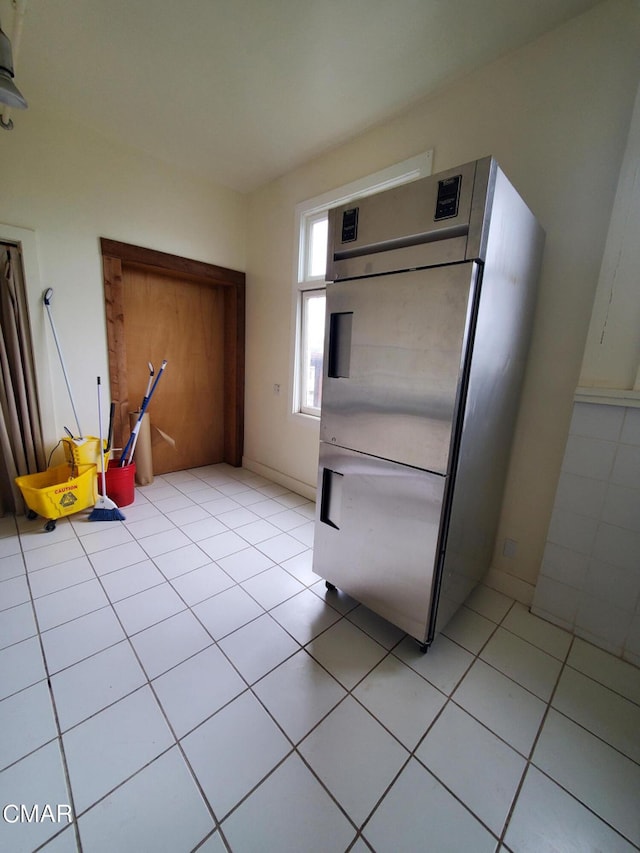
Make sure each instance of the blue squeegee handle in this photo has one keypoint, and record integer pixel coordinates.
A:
(143, 408)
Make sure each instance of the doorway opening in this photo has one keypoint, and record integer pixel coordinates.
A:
(161, 306)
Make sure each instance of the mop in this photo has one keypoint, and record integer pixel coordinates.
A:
(133, 438)
(105, 509)
(46, 298)
(127, 453)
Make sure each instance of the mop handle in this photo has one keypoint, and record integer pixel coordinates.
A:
(102, 471)
(130, 445)
(47, 301)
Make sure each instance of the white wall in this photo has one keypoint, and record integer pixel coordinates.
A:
(556, 115)
(70, 187)
(612, 354)
(590, 575)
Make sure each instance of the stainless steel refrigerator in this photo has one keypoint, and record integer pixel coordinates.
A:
(430, 297)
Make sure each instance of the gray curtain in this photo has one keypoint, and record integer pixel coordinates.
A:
(21, 447)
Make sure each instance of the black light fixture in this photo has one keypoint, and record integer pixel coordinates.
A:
(9, 92)
(10, 95)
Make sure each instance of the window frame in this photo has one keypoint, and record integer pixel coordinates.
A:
(306, 294)
(306, 214)
(311, 219)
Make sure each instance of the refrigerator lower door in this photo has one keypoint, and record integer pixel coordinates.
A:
(377, 532)
(394, 352)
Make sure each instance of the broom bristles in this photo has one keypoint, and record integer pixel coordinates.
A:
(105, 510)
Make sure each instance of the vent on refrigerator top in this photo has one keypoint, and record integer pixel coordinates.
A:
(448, 198)
(350, 225)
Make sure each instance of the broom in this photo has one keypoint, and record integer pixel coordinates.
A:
(105, 509)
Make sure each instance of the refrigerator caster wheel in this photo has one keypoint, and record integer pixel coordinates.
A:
(49, 526)
(330, 586)
(424, 647)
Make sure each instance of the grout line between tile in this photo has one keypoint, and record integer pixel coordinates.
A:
(529, 757)
(52, 699)
(249, 687)
(176, 740)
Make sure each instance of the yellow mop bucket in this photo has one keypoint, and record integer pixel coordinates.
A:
(84, 451)
(59, 491)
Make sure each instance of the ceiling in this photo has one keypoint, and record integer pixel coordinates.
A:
(241, 91)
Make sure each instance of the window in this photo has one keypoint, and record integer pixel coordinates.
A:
(312, 336)
(309, 287)
(317, 242)
(311, 301)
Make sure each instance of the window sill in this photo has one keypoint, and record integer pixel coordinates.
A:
(303, 417)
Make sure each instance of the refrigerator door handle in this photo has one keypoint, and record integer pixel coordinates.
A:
(331, 498)
(339, 351)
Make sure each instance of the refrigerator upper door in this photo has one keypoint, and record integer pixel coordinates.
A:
(394, 352)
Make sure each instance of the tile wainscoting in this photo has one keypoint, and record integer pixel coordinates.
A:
(589, 581)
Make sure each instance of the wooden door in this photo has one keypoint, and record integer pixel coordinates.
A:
(191, 314)
(181, 321)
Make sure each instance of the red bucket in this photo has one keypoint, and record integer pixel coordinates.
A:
(120, 482)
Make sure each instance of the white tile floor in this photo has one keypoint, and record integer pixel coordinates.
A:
(182, 680)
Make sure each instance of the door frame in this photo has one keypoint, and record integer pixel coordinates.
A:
(232, 283)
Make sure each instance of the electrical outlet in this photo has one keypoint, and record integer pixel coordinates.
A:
(276, 388)
(510, 548)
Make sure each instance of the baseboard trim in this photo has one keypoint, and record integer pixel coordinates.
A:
(509, 585)
(305, 489)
